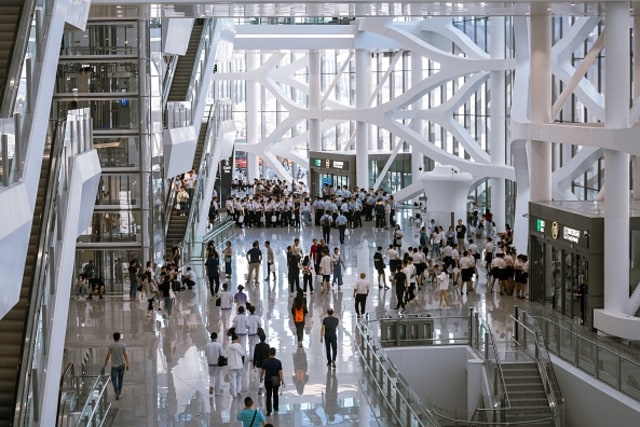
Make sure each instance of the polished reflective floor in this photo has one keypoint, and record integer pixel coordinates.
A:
(167, 384)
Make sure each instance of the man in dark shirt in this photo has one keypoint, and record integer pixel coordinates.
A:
(254, 258)
(273, 377)
(293, 270)
(401, 283)
(329, 333)
(461, 232)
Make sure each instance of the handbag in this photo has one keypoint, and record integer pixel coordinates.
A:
(222, 361)
(218, 302)
(274, 218)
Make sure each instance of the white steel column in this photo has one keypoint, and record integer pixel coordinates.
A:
(315, 136)
(417, 159)
(616, 164)
(636, 73)
(540, 102)
(497, 130)
(253, 114)
(363, 78)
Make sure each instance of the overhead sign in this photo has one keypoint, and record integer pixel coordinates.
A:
(571, 234)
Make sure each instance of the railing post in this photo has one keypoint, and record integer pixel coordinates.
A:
(5, 160)
(515, 329)
(470, 341)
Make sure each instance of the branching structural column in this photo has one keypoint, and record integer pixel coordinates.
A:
(540, 102)
(253, 114)
(497, 132)
(363, 78)
(616, 163)
(417, 159)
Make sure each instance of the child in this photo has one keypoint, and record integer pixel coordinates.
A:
(240, 298)
(250, 416)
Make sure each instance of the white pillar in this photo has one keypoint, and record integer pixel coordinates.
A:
(616, 164)
(417, 159)
(540, 99)
(253, 116)
(636, 72)
(315, 136)
(497, 132)
(363, 74)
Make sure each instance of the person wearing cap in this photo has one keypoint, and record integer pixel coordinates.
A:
(329, 334)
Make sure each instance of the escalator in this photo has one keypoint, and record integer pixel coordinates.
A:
(10, 22)
(13, 326)
(184, 67)
(177, 227)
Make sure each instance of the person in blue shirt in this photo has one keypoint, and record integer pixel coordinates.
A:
(249, 416)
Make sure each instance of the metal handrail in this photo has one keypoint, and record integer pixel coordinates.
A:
(600, 347)
(387, 378)
(91, 410)
(33, 320)
(69, 371)
(18, 56)
(169, 74)
(543, 361)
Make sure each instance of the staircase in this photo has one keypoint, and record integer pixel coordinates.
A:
(184, 68)
(13, 325)
(10, 12)
(526, 393)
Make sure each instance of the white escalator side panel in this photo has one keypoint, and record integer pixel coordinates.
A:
(16, 217)
(77, 207)
(176, 34)
(222, 149)
(179, 147)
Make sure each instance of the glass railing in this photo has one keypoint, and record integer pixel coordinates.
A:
(218, 113)
(435, 328)
(608, 362)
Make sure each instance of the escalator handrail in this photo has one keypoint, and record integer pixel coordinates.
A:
(68, 371)
(21, 396)
(170, 71)
(17, 57)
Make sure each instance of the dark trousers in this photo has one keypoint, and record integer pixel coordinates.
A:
(361, 301)
(307, 279)
(341, 229)
(331, 344)
(326, 234)
(400, 296)
(272, 395)
(294, 282)
(214, 284)
(299, 330)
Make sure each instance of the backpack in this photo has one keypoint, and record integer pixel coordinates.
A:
(326, 221)
(298, 315)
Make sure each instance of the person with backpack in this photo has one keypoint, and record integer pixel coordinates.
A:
(326, 221)
(298, 312)
(260, 354)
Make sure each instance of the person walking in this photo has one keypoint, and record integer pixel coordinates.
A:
(254, 258)
(165, 289)
(341, 222)
(402, 285)
(254, 324)
(360, 293)
(325, 270)
(329, 335)
(293, 270)
(235, 362)
(117, 352)
(227, 252)
(273, 378)
(212, 265)
(442, 279)
(213, 350)
(378, 263)
(260, 354)
(249, 416)
(298, 312)
(337, 263)
(271, 261)
(307, 274)
(326, 221)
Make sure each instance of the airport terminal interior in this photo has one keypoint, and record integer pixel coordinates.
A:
(139, 134)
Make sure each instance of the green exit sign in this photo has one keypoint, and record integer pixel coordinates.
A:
(317, 163)
(540, 225)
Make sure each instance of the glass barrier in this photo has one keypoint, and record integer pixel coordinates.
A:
(435, 328)
(606, 361)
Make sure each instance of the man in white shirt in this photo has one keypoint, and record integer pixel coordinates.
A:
(253, 324)
(213, 350)
(467, 269)
(241, 327)
(360, 293)
(325, 270)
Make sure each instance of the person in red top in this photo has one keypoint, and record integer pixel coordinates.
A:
(314, 253)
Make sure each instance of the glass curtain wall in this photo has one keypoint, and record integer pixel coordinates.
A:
(100, 68)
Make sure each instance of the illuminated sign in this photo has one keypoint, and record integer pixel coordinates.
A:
(330, 164)
(338, 164)
(317, 163)
(571, 234)
(540, 225)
